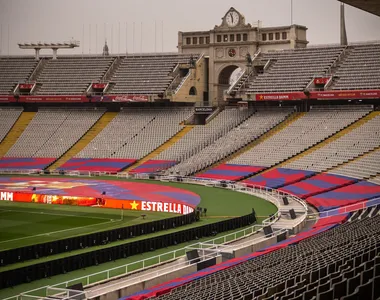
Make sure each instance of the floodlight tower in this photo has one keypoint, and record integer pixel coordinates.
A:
(54, 46)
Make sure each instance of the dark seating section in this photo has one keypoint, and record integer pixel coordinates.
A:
(14, 70)
(146, 73)
(341, 262)
(71, 75)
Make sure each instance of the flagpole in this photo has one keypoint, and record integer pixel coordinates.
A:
(96, 38)
(291, 12)
(8, 39)
(162, 36)
(119, 39)
(1, 38)
(133, 38)
(89, 33)
(155, 36)
(141, 38)
(112, 36)
(83, 40)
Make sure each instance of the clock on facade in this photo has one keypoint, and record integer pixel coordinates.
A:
(232, 18)
(231, 52)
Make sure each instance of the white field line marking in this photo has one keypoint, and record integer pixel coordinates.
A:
(44, 213)
(58, 231)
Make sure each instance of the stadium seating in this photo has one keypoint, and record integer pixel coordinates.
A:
(292, 70)
(347, 195)
(53, 131)
(71, 75)
(375, 180)
(153, 166)
(96, 164)
(277, 177)
(363, 167)
(14, 70)
(19, 163)
(203, 135)
(317, 184)
(319, 264)
(310, 129)
(256, 125)
(360, 69)
(146, 74)
(8, 116)
(229, 172)
(349, 146)
(134, 133)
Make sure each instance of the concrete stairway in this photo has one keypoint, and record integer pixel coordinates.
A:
(85, 140)
(174, 139)
(332, 138)
(16, 131)
(289, 120)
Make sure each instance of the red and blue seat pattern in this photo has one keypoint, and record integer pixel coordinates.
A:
(152, 166)
(317, 184)
(96, 164)
(18, 163)
(278, 177)
(120, 190)
(341, 191)
(166, 287)
(346, 195)
(230, 172)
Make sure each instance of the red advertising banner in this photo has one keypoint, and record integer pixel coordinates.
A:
(280, 96)
(354, 94)
(120, 98)
(68, 98)
(99, 86)
(321, 80)
(172, 207)
(26, 86)
(7, 99)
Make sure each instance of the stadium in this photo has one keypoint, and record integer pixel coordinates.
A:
(246, 165)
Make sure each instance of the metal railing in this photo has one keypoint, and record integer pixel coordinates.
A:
(146, 263)
(233, 85)
(187, 75)
(274, 197)
(155, 260)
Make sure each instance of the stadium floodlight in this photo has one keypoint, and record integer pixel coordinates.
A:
(54, 46)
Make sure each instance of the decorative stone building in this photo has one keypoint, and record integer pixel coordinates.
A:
(226, 46)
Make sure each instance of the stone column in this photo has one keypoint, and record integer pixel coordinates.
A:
(37, 53)
(55, 53)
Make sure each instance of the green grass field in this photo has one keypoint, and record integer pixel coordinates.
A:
(24, 224)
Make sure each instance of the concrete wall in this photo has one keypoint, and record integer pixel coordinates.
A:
(198, 79)
(137, 287)
(253, 248)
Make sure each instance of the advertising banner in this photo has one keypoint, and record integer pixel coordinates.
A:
(99, 86)
(170, 207)
(64, 98)
(120, 98)
(321, 80)
(7, 98)
(354, 94)
(280, 96)
(26, 86)
(204, 110)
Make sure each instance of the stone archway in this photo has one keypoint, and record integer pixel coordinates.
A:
(224, 79)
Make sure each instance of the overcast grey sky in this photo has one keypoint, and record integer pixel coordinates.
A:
(61, 20)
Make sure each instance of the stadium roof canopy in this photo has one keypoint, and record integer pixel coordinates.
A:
(371, 6)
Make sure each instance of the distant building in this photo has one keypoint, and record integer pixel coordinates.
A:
(227, 45)
(106, 50)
